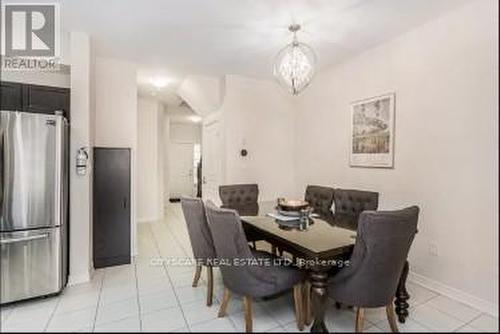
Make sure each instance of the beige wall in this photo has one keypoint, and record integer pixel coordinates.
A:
(116, 103)
(204, 94)
(445, 77)
(149, 160)
(116, 115)
(80, 251)
(185, 132)
(259, 117)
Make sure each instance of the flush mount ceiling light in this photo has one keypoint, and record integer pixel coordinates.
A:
(159, 83)
(195, 118)
(295, 64)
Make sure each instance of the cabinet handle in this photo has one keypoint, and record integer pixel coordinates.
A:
(125, 202)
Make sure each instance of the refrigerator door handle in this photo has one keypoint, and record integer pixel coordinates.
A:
(4, 182)
(15, 240)
(2, 168)
(58, 171)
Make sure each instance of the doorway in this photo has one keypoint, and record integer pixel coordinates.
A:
(184, 169)
(184, 160)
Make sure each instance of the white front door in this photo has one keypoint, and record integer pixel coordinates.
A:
(181, 170)
(212, 160)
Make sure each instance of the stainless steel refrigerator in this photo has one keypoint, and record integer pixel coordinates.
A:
(33, 204)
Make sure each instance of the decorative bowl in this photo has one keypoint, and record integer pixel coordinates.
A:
(294, 205)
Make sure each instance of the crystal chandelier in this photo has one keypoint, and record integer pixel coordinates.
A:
(295, 64)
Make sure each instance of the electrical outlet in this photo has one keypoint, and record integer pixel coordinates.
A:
(433, 249)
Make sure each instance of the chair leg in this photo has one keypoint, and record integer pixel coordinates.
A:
(225, 302)
(247, 305)
(197, 276)
(389, 309)
(360, 319)
(299, 302)
(274, 250)
(307, 303)
(254, 245)
(210, 285)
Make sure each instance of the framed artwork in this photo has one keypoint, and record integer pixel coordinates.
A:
(372, 132)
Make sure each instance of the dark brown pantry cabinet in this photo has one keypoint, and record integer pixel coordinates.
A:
(111, 206)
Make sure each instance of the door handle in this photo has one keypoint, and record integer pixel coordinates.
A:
(125, 202)
(15, 240)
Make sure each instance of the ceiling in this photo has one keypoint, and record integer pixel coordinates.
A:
(183, 114)
(174, 38)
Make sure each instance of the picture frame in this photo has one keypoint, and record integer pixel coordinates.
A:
(372, 132)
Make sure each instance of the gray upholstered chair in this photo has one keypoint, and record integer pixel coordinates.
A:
(350, 201)
(238, 194)
(242, 198)
(251, 280)
(320, 198)
(382, 245)
(201, 241)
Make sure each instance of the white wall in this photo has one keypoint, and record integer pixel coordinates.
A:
(185, 133)
(258, 116)
(80, 251)
(116, 103)
(149, 160)
(445, 76)
(204, 94)
(116, 115)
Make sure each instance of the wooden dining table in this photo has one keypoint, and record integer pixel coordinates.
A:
(327, 242)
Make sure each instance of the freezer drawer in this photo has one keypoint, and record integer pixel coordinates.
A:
(31, 264)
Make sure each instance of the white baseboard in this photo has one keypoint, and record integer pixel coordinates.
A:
(453, 293)
(78, 279)
(134, 252)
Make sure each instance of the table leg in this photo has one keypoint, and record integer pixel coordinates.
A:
(319, 282)
(402, 296)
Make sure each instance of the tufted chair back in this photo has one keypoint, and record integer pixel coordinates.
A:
(235, 195)
(197, 225)
(382, 245)
(320, 198)
(354, 201)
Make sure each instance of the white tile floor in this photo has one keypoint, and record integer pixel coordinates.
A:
(142, 297)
